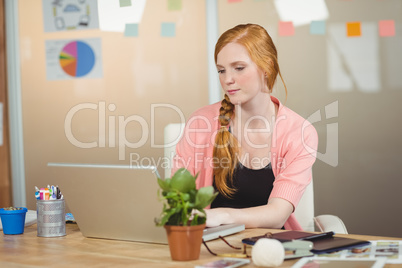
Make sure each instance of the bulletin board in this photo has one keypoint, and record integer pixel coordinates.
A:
(94, 93)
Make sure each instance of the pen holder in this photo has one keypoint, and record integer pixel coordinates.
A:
(51, 218)
(13, 220)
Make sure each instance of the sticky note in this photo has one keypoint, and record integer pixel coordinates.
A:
(168, 29)
(353, 29)
(234, 1)
(131, 29)
(174, 5)
(125, 3)
(318, 27)
(386, 27)
(286, 28)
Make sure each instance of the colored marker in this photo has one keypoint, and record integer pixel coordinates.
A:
(42, 194)
(46, 194)
(37, 195)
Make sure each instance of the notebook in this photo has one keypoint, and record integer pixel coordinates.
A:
(322, 242)
(222, 230)
(117, 201)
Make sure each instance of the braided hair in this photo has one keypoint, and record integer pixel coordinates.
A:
(225, 150)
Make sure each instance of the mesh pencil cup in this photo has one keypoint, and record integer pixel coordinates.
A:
(51, 218)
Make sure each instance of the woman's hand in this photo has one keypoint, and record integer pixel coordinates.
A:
(217, 216)
(272, 215)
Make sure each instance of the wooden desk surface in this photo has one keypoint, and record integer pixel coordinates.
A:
(74, 250)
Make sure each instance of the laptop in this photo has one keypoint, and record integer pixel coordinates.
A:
(111, 201)
(117, 201)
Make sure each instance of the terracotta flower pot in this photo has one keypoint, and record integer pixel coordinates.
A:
(185, 241)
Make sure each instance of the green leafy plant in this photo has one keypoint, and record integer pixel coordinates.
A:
(182, 199)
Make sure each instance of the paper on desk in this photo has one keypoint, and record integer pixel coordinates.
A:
(391, 249)
(30, 218)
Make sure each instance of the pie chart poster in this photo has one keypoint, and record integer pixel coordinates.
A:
(73, 59)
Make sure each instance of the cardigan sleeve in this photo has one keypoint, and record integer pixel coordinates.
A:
(292, 164)
(194, 150)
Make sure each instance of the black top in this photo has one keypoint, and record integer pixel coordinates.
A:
(253, 188)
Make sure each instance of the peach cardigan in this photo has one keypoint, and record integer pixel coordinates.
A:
(293, 152)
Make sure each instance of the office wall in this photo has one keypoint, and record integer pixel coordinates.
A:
(354, 84)
(136, 73)
(356, 87)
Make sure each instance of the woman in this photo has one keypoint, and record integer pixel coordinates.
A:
(256, 152)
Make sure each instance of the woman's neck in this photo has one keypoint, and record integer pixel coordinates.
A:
(257, 113)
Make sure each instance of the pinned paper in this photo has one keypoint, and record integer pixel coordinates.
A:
(345, 56)
(131, 30)
(353, 29)
(174, 5)
(301, 12)
(73, 59)
(386, 27)
(125, 3)
(114, 18)
(168, 29)
(69, 15)
(318, 27)
(286, 28)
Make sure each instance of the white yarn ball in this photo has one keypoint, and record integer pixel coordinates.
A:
(268, 252)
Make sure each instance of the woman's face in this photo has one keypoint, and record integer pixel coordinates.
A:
(240, 77)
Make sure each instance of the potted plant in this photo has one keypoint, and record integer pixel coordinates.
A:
(183, 214)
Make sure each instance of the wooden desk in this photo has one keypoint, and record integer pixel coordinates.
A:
(74, 250)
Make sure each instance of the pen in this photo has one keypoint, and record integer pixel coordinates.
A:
(58, 195)
(319, 236)
(54, 193)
